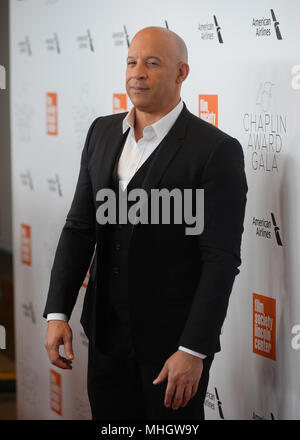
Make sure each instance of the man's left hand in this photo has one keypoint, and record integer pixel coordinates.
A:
(183, 371)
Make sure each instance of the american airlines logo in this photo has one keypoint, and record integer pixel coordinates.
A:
(26, 179)
(263, 26)
(52, 44)
(210, 30)
(263, 228)
(54, 185)
(121, 37)
(219, 405)
(85, 41)
(276, 25)
(24, 46)
(218, 29)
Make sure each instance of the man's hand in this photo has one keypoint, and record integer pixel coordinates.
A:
(183, 371)
(59, 333)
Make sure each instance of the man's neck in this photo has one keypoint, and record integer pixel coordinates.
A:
(144, 119)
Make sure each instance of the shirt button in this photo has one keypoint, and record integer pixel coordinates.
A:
(118, 246)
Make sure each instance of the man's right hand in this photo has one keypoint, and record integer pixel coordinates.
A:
(59, 333)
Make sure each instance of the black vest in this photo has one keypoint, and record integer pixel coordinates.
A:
(116, 267)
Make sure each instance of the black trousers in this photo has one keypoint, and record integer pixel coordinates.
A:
(121, 388)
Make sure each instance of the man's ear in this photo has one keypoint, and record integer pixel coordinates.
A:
(183, 71)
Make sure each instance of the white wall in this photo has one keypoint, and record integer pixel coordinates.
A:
(254, 75)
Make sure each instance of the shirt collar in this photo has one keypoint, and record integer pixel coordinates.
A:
(160, 127)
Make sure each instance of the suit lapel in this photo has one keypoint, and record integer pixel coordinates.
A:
(114, 141)
(167, 149)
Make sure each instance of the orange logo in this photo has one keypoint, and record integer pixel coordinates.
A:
(55, 392)
(264, 326)
(26, 244)
(51, 114)
(119, 102)
(208, 108)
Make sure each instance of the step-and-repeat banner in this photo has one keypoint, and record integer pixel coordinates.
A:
(68, 62)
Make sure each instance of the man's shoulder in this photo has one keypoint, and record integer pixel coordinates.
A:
(206, 131)
(110, 120)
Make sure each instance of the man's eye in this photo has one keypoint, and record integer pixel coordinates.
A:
(130, 62)
(152, 62)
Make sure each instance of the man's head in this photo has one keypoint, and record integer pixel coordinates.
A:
(156, 67)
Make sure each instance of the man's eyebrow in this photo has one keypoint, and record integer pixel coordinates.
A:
(150, 56)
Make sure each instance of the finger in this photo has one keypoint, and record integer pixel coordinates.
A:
(186, 395)
(162, 375)
(53, 352)
(194, 389)
(56, 359)
(171, 388)
(178, 396)
(69, 348)
(63, 363)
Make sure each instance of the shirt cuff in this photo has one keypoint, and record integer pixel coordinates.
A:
(195, 353)
(58, 316)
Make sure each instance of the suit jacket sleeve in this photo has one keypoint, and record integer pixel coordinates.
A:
(76, 244)
(225, 189)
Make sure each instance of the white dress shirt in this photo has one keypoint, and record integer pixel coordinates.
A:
(133, 156)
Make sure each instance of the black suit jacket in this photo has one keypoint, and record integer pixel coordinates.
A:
(179, 285)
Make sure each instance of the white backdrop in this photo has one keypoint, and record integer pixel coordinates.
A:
(67, 62)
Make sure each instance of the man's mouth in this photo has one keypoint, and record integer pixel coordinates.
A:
(139, 89)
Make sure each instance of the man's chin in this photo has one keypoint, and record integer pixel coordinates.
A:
(140, 102)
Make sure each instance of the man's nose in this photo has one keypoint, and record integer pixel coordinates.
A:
(139, 71)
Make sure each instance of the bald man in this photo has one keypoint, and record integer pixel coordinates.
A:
(157, 296)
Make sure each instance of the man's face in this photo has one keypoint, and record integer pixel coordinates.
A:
(151, 72)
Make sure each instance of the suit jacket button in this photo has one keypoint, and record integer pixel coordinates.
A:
(118, 246)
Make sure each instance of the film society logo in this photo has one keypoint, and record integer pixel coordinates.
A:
(51, 114)
(263, 228)
(212, 401)
(55, 392)
(265, 132)
(26, 257)
(208, 108)
(264, 326)
(119, 102)
(263, 26)
(210, 30)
